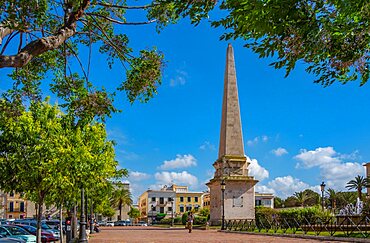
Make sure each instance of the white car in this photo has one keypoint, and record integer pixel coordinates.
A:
(110, 223)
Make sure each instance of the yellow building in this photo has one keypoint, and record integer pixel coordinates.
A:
(207, 200)
(17, 207)
(169, 202)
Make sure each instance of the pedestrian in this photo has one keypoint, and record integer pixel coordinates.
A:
(190, 221)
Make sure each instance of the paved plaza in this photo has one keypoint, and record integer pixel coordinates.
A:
(162, 235)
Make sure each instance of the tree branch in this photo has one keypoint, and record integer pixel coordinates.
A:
(4, 31)
(45, 44)
(121, 22)
(127, 7)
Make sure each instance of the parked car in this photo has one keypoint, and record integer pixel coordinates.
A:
(120, 223)
(54, 224)
(110, 223)
(142, 223)
(102, 223)
(11, 240)
(45, 235)
(17, 232)
(44, 226)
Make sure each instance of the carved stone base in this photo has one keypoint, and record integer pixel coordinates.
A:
(238, 198)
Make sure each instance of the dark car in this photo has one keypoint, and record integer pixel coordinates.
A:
(120, 223)
(45, 235)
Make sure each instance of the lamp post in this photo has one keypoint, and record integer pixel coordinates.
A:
(82, 234)
(322, 186)
(223, 185)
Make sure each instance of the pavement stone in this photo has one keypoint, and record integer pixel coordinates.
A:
(137, 234)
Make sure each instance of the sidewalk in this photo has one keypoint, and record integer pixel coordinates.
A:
(136, 234)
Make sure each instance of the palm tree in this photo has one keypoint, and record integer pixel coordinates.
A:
(358, 184)
(121, 197)
(333, 197)
(301, 197)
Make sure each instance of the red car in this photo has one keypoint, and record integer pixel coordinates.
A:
(45, 236)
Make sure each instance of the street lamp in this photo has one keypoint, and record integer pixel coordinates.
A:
(322, 186)
(82, 235)
(223, 186)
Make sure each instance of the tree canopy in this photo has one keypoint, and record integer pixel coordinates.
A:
(41, 38)
(331, 36)
(46, 157)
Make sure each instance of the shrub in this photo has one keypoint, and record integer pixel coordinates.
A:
(177, 220)
(200, 220)
(165, 221)
(184, 218)
(264, 216)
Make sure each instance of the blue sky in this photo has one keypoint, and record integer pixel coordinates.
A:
(296, 133)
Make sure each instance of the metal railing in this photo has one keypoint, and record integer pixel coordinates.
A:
(344, 226)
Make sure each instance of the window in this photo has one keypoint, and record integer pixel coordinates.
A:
(266, 202)
(153, 199)
(189, 199)
(258, 202)
(195, 199)
(169, 209)
(161, 200)
(161, 209)
(181, 199)
(11, 194)
(21, 206)
(153, 208)
(188, 208)
(181, 209)
(11, 207)
(196, 208)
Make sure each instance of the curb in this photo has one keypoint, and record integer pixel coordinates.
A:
(311, 237)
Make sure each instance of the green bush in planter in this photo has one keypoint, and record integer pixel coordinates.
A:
(200, 220)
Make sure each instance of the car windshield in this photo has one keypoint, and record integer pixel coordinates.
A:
(43, 225)
(17, 230)
(29, 228)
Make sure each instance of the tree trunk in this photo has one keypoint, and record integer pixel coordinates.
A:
(74, 222)
(120, 212)
(61, 223)
(39, 218)
(359, 192)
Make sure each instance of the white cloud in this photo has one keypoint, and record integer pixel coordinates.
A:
(256, 170)
(317, 157)
(286, 186)
(279, 151)
(207, 145)
(179, 79)
(181, 161)
(138, 176)
(333, 169)
(180, 178)
(256, 140)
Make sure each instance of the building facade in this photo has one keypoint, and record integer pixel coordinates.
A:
(264, 199)
(168, 202)
(13, 206)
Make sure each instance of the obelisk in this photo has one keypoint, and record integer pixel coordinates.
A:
(231, 165)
